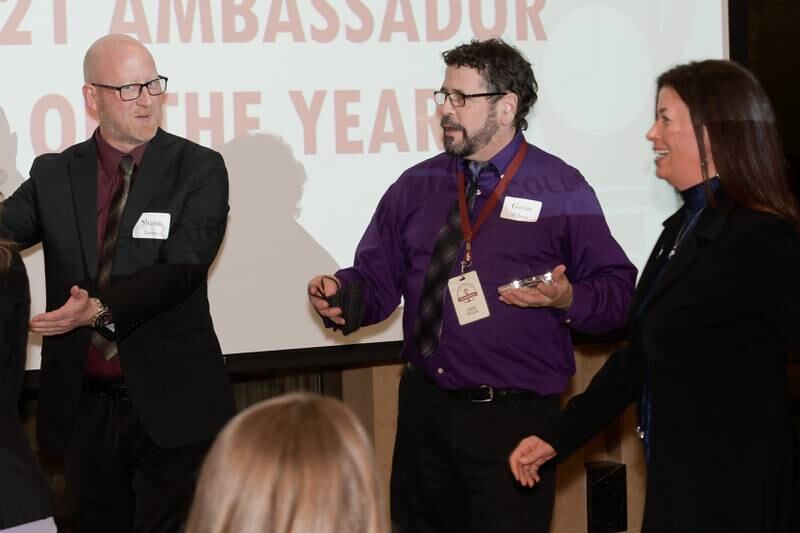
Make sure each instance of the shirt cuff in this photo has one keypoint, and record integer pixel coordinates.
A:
(354, 304)
(346, 276)
(581, 296)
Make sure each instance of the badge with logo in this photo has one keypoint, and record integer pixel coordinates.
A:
(468, 299)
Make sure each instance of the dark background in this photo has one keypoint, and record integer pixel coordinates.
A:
(764, 37)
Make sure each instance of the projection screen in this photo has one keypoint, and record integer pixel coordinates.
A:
(319, 105)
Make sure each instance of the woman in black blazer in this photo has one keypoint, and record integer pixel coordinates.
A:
(716, 310)
(25, 501)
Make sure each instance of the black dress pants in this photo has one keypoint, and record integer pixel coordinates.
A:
(118, 479)
(450, 471)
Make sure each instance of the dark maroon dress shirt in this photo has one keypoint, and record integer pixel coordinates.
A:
(109, 178)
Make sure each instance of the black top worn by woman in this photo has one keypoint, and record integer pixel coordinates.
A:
(710, 331)
(24, 495)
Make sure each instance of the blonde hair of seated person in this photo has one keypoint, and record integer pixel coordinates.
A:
(298, 463)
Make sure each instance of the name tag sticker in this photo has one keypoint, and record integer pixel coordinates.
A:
(152, 226)
(521, 209)
(468, 299)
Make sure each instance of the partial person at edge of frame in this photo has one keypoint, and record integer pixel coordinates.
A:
(26, 504)
(293, 464)
(715, 313)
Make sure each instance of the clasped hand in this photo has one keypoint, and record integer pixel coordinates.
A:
(320, 288)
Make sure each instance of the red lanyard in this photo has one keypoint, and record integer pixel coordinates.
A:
(467, 229)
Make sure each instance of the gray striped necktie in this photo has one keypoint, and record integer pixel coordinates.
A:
(428, 324)
(107, 348)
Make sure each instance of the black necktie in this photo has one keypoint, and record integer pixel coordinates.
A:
(428, 324)
(107, 348)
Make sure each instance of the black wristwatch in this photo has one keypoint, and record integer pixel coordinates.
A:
(102, 317)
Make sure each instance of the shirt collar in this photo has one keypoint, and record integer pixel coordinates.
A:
(694, 198)
(499, 163)
(109, 157)
(503, 158)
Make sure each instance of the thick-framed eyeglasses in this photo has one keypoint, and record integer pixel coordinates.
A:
(132, 91)
(458, 99)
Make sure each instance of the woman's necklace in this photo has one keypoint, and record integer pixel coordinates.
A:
(685, 229)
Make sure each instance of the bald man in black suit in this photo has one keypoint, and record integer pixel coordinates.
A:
(133, 385)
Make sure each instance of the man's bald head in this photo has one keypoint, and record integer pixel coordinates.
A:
(112, 62)
(107, 51)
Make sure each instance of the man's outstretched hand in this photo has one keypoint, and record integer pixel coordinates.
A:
(76, 312)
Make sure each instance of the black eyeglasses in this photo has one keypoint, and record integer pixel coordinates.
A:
(458, 99)
(132, 91)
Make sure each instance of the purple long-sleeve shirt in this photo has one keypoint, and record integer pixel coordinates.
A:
(513, 348)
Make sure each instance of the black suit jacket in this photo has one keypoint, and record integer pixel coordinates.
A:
(712, 332)
(169, 352)
(24, 495)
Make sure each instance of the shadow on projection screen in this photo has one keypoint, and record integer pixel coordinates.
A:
(318, 108)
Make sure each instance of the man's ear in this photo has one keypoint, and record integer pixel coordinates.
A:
(90, 96)
(508, 108)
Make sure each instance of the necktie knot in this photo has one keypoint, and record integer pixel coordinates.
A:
(126, 166)
(475, 171)
(475, 168)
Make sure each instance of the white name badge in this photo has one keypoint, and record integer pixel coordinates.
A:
(521, 209)
(152, 226)
(468, 298)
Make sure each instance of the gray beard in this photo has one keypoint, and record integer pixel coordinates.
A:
(471, 144)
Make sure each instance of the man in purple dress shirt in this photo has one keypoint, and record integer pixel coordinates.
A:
(498, 361)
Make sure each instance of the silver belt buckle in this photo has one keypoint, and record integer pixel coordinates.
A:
(489, 398)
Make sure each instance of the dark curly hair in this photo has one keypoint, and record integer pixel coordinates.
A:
(503, 68)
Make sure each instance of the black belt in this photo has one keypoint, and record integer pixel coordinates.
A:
(480, 394)
(112, 390)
